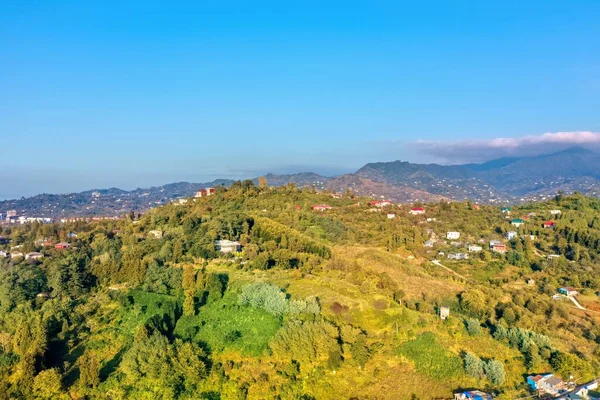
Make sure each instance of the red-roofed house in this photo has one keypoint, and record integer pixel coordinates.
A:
(549, 224)
(62, 245)
(417, 210)
(205, 192)
(497, 247)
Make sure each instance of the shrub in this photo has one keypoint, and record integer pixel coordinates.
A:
(473, 365)
(271, 299)
(473, 326)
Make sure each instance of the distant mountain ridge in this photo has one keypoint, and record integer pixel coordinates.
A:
(513, 178)
(504, 180)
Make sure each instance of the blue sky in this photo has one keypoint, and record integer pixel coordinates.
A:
(137, 93)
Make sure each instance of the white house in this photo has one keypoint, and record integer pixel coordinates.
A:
(458, 256)
(555, 212)
(227, 246)
(391, 216)
(444, 312)
(510, 235)
(452, 235)
(428, 243)
(474, 248)
(3, 254)
(16, 254)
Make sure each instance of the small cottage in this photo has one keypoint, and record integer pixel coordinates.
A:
(444, 312)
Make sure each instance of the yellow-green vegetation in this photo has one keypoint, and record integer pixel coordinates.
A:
(342, 303)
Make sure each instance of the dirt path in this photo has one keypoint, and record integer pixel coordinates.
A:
(576, 303)
(439, 264)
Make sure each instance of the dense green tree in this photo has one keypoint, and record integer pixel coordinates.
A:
(494, 371)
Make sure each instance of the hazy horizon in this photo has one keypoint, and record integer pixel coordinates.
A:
(289, 170)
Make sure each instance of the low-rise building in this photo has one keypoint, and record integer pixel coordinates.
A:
(474, 248)
(34, 255)
(380, 203)
(517, 222)
(472, 395)
(16, 254)
(497, 247)
(428, 243)
(555, 212)
(549, 224)
(452, 235)
(444, 312)
(391, 216)
(227, 246)
(568, 291)
(205, 192)
(62, 245)
(458, 256)
(321, 207)
(417, 211)
(546, 384)
(587, 391)
(510, 235)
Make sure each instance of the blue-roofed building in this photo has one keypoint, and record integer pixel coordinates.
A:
(472, 395)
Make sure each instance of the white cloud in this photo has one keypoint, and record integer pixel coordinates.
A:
(482, 150)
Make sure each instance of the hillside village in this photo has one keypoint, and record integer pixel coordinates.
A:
(504, 299)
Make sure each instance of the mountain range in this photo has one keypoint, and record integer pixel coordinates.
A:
(505, 180)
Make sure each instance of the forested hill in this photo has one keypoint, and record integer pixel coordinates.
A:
(333, 304)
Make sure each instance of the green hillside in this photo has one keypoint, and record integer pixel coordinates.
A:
(335, 304)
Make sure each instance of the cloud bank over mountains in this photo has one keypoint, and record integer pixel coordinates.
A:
(464, 151)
